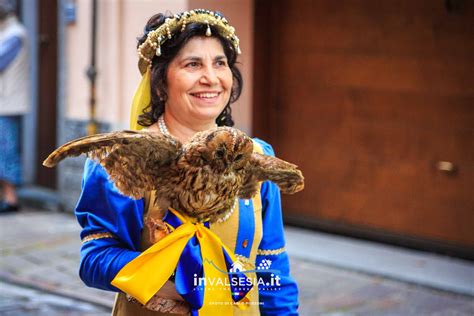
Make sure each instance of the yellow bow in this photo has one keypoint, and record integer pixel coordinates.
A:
(146, 274)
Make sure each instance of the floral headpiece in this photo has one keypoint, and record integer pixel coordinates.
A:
(155, 39)
(151, 47)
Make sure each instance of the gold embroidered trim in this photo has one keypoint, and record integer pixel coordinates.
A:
(97, 236)
(269, 252)
(250, 265)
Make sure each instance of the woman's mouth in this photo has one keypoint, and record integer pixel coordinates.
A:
(206, 95)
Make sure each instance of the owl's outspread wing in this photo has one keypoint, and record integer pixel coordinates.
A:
(201, 179)
(262, 168)
(134, 160)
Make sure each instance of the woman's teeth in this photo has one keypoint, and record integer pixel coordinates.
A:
(206, 95)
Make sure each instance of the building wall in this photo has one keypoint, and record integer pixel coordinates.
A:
(30, 20)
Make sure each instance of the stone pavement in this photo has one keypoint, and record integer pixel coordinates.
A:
(20, 301)
(40, 250)
(408, 265)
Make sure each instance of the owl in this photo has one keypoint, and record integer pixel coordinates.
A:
(201, 179)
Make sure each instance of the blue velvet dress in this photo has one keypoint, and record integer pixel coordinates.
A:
(112, 227)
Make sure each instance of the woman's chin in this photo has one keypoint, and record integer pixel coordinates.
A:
(208, 113)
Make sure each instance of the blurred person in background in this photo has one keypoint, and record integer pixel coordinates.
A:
(14, 100)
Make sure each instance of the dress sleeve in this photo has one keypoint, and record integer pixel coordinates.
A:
(111, 225)
(9, 49)
(283, 300)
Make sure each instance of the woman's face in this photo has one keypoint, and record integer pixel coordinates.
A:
(199, 81)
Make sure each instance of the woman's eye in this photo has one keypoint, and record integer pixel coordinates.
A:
(192, 64)
(221, 63)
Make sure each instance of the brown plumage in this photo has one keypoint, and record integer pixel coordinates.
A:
(202, 178)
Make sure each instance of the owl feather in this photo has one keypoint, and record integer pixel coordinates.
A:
(201, 178)
(126, 155)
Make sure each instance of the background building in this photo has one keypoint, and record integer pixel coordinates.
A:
(372, 99)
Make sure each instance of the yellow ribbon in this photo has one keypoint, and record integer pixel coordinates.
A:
(141, 100)
(146, 274)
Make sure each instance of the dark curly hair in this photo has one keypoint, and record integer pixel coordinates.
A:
(169, 50)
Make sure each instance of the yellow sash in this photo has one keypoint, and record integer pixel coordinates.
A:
(146, 274)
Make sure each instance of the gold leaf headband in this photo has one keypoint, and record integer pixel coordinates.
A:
(152, 45)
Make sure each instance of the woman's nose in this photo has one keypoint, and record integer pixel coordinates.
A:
(209, 76)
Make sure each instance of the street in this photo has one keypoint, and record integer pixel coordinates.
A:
(40, 256)
(20, 301)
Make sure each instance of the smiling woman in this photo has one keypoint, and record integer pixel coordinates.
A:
(190, 80)
(192, 65)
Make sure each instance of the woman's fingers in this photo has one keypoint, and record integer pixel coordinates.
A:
(164, 305)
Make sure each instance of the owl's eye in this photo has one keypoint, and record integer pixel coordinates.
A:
(219, 153)
(238, 157)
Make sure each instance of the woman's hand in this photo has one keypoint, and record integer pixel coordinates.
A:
(163, 305)
(167, 300)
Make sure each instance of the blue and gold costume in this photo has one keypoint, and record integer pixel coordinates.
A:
(112, 232)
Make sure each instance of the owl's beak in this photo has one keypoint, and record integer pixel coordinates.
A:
(225, 163)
